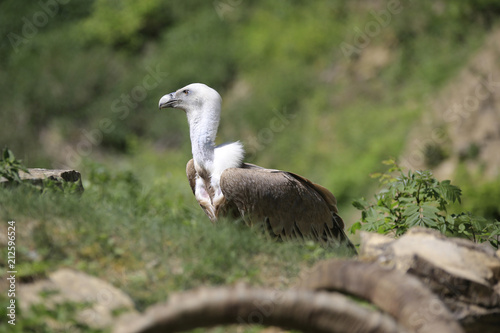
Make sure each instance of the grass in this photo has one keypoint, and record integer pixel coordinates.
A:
(143, 233)
(137, 225)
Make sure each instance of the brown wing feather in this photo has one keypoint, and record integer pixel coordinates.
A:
(286, 204)
(226, 209)
(191, 173)
(328, 196)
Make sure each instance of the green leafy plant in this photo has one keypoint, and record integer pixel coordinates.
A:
(53, 186)
(416, 198)
(10, 166)
(58, 317)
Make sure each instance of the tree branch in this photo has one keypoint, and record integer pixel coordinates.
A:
(291, 309)
(403, 296)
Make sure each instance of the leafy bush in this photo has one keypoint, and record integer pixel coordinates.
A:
(416, 198)
(10, 167)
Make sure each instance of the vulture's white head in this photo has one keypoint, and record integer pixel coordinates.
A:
(202, 105)
(194, 98)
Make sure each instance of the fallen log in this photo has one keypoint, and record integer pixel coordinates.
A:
(404, 297)
(423, 282)
(37, 176)
(303, 310)
(463, 274)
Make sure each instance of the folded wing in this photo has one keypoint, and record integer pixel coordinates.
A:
(288, 205)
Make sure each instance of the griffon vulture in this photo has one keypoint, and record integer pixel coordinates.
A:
(286, 205)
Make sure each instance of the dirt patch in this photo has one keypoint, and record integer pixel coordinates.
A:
(463, 121)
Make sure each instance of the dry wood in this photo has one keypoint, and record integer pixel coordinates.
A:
(403, 296)
(465, 275)
(36, 176)
(291, 309)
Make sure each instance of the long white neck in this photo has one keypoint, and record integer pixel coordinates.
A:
(203, 126)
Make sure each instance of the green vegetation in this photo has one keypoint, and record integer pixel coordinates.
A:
(141, 237)
(88, 81)
(10, 166)
(81, 89)
(419, 199)
(61, 318)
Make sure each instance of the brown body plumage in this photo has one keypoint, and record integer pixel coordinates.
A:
(285, 204)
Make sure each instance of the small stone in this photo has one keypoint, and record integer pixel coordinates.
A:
(65, 285)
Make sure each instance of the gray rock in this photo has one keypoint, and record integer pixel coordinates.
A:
(465, 275)
(100, 300)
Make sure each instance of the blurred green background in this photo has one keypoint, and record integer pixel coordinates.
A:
(326, 89)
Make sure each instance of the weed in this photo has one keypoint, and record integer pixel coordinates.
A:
(10, 166)
(416, 198)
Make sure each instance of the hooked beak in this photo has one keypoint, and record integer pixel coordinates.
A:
(168, 101)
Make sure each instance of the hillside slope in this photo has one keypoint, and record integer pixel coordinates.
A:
(458, 136)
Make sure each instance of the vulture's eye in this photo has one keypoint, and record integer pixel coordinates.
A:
(186, 91)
